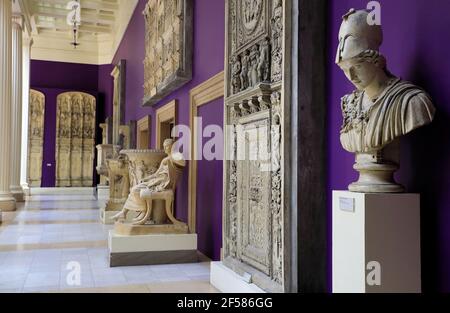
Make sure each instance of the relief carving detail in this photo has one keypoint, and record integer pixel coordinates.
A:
(35, 137)
(253, 213)
(168, 46)
(75, 128)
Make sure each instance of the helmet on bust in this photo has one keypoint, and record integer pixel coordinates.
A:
(356, 35)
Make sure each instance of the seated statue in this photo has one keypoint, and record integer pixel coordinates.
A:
(160, 185)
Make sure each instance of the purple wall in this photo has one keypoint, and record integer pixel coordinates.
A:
(54, 78)
(209, 42)
(415, 45)
(210, 188)
(62, 75)
(106, 89)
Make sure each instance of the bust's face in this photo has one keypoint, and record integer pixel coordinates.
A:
(360, 73)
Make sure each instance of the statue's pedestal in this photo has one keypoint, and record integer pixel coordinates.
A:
(227, 281)
(152, 249)
(102, 193)
(376, 243)
(110, 209)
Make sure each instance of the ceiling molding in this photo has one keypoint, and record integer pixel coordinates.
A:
(104, 23)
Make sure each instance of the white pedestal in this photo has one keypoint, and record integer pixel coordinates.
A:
(152, 249)
(102, 193)
(227, 281)
(63, 191)
(371, 230)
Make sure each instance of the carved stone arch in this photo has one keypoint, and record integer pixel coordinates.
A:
(35, 138)
(75, 142)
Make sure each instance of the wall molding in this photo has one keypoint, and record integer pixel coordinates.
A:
(164, 114)
(144, 124)
(210, 90)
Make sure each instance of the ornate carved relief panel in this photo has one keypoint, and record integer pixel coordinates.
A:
(168, 45)
(75, 140)
(253, 212)
(35, 137)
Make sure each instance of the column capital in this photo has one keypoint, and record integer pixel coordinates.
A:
(17, 20)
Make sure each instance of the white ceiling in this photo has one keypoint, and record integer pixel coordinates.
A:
(103, 23)
(49, 18)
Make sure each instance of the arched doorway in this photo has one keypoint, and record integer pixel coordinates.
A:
(75, 141)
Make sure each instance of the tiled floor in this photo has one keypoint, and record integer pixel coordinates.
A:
(51, 236)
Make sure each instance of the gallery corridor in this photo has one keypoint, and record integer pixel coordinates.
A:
(51, 235)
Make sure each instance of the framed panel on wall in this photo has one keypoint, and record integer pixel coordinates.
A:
(168, 48)
(166, 118)
(143, 133)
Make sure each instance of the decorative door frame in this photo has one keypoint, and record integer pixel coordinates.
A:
(164, 114)
(144, 124)
(210, 90)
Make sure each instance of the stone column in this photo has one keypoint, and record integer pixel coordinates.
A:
(16, 112)
(27, 43)
(7, 201)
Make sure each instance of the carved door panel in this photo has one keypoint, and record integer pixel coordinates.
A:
(35, 138)
(76, 140)
(254, 177)
(254, 243)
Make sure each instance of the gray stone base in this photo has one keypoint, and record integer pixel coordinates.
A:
(153, 258)
(152, 249)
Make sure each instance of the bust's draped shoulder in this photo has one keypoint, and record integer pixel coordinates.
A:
(401, 108)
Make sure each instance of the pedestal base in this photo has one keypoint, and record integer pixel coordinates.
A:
(102, 193)
(152, 249)
(108, 210)
(376, 243)
(227, 281)
(7, 204)
(18, 194)
(127, 229)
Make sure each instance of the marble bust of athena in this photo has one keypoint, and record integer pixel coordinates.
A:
(381, 109)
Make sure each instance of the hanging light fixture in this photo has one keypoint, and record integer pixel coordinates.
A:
(75, 42)
(74, 19)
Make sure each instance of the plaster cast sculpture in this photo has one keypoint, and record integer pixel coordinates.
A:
(119, 181)
(254, 223)
(168, 46)
(152, 198)
(104, 153)
(35, 137)
(104, 128)
(382, 109)
(75, 139)
(124, 137)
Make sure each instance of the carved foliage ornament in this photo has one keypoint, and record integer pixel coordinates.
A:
(168, 46)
